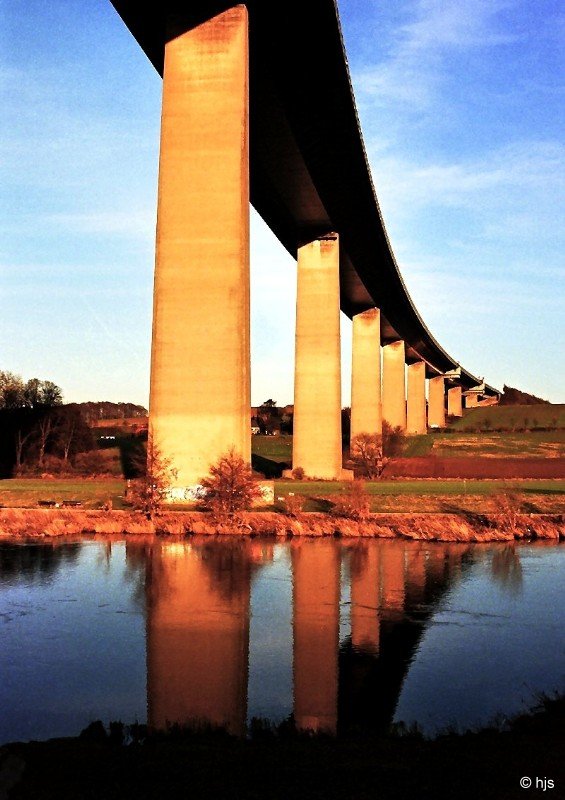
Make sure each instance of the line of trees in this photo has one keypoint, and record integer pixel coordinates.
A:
(37, 431)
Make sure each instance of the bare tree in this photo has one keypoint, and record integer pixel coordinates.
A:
(367, 454)
(44, 430)
(21, 440)
(148, 492)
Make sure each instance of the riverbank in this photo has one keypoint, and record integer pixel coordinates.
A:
(495, 763)
(30, 523)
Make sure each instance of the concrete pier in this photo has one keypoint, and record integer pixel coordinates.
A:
(455, 401)
(317, 377)
(416, 398)
(200, 360)
(394, 384)
(366, 406)
(436, 402)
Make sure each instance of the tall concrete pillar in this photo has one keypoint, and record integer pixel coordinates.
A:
(200, 360)
(394, 385)
(416, 400)
(317, 379)
(455, 401)
(366, 407)
(316, 571)
(436, 402)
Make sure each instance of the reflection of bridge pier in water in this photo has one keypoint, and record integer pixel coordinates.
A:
(316, 586)
(197, 597)
(198, 635)
(394, 586)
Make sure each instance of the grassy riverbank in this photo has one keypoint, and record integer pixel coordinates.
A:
(401, 496)
(486, 764)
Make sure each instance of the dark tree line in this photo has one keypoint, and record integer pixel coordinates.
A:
(514, 397)
(36, 430)
(41, 439)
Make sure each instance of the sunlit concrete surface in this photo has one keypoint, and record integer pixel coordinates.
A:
(200, 366)
(436, 402)
(366, 406)
(394, 384)
(317, 378)
(416, 398)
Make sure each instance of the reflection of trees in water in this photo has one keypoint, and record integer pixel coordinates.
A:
(230, 565)
(36, 563)
(506, 569)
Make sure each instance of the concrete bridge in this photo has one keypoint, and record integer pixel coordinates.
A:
(258, 107)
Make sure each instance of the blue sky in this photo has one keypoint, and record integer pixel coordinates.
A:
(461, 109)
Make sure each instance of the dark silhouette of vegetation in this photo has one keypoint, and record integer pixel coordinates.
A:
(514, 397)
(148, 492)
(394, 440)
(277, 760)
(39, 439)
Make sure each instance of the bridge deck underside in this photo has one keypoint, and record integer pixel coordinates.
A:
(309, 171)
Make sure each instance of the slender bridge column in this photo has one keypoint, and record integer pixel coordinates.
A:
(366, 408)
(455, 401)
(416, 402)
(317, 379)
(436, 402)
(200, 363)
(394, 385)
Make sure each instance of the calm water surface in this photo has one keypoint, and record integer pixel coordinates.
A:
(355, 634)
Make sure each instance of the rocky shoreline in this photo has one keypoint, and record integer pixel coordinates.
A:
(31, 523)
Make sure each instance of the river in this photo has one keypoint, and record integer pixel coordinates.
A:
(343, 634)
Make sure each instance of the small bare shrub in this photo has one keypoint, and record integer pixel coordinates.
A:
(148, 492)
(298, 474)
(293, 504)
(367, 454)
(354, 503)
(230, 487)
(507, 505)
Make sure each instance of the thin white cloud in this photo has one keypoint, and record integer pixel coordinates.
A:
(404, 183)
(414, 68)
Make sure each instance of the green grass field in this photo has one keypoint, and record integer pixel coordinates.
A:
(395, 496)
(547, 496)
(276, 448)
(91, 493)
(512, 417)
(534, 444)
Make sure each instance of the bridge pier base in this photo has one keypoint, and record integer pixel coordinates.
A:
(416, 399)
(455, 401)
(436, 402)
(394, 384)
(317, 376)
(366, 407)
(200, 361)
